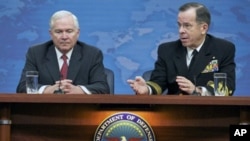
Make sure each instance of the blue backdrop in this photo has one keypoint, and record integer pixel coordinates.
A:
(128, 32)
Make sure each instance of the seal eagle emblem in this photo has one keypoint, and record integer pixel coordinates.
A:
(124, 126)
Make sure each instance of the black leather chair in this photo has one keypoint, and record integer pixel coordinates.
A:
(147, 74)
(110, 80)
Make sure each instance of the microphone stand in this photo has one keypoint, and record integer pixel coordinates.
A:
(195, 92)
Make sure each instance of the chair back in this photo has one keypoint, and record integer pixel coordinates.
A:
(110, 79)
(147, 74)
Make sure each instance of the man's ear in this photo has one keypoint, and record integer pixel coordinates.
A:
(204, 28)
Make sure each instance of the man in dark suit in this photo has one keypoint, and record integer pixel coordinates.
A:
(83, 65)
(180, 71)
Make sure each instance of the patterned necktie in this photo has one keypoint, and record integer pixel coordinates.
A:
(194, 53)
(64, 69)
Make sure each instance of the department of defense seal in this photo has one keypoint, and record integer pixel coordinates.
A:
(124, 126)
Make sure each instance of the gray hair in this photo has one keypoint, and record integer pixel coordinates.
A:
(61, 14)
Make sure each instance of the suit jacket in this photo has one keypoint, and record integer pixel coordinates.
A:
(85, 67)
(216, 55)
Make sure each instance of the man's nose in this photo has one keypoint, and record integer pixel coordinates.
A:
(181, 29)
(64, 35)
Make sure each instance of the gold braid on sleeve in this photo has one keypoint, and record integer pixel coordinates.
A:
(228, 92)
(155, 86)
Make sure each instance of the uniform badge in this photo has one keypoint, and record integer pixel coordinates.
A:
(213, 66)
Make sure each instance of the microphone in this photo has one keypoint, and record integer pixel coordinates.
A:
(59, 90)
(194, 80)
(195, 92)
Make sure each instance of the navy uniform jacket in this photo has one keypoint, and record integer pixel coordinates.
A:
(216, 55)
(85, 67)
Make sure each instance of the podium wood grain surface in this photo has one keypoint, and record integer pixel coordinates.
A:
(76, 117)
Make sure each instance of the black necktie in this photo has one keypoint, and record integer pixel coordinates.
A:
(194, 53)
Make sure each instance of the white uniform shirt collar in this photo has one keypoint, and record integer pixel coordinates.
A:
(190, 50)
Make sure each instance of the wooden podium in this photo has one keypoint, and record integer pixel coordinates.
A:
(76, 117)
